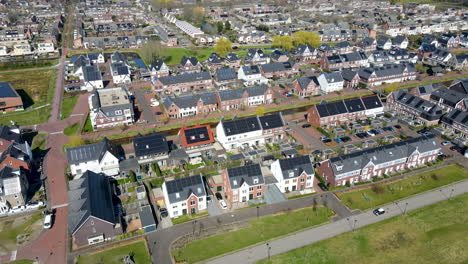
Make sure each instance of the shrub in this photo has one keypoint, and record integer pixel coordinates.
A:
(377, 189)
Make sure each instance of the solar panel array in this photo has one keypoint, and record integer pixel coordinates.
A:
(151, 144)
(240, 126)
(179, 185)
(196, 135)
(245, 171)
(354, 105)
(6, 90)
(292, 163)
(271, 121)
(371, 102)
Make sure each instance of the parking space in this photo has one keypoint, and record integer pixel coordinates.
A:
(213, 207)
(273, 194)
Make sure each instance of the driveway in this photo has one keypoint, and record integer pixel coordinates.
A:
(213, 208)
(273, 194)
(147, 111)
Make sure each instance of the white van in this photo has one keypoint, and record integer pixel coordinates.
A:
(48, 221)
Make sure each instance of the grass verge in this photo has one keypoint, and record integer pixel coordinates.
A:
(188, 218)
(68, 104)
(432, 234)
(115, 255)
(72, 129)
(259, 230)
(387, 192)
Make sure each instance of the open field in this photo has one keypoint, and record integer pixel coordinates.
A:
(68, 103)
(384, 193)
(115, 255)
(434, 234)
(261, 229)
(36, 87)
(29, 225)
(71, 130)
(25, 118)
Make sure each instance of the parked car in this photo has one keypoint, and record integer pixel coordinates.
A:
(327, 140)
(48, 221)
(378, 131)
(427, 133)
(17, 210)
(306, 125)
(288, 129)
(322, 186)
(322, 138)
(371, 133)
(218, 196)
(223, 204)
(345, 139)
(316, 152)
(422, 131)
(397, 126)
(445, 143)
(35, 205)
(362, 135)
(163, 212)
(338, 140)
(379, 211)
(389, 129)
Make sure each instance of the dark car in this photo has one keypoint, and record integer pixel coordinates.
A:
(164, 212)
(379, 211)
(218, 196)
(422, 131)
(322, 186)
(306, 125)
(316, 152)
(326, 140)
(397, 126)
(362, 135)
(346, 139)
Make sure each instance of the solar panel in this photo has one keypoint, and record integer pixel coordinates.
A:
(196, 135)
(322, 110)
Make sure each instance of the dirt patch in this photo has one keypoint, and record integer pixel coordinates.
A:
(201, 233)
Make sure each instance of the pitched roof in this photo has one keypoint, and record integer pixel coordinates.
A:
(294, 167)
(91, 73)
(333, 77)
(214, 58)
(150, 145)
(119, 68)
(305, 81)
(181, 189)
(250, 70)
(156, 65)
(232, 57)
(387, 70)
(348, 75)
(240, 125)
(11, 133)
(192, 60)
(371, 102)
(456, 116)
(271, 121)
(196, 135)
(90, 195)
(6, 90)
(248, 174)
(185, 78)
(424, 108)
(449, 97)
(91, 152)
(190, 100)
(225, 74)
(460, 86)
(278, 66)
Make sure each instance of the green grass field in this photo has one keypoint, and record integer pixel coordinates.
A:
(25, 118)
(10, 231)
(36, 87)
(384, 193)
(115, 255)
(68, 103)
(260, 230)
(39, 141)
(72, 129)
(434, 234)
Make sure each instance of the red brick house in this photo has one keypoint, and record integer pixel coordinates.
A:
(196, 137)
(189, 65)
(250, 96)
(244, 183)
(182, 83)
(306, 86)
(279, 69)
(10, 100)
(16, 156)
(191, 105)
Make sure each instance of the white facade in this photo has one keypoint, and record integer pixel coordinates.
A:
(108, 165)
(89, 86)
(248, 139)
(328, 87)
(3, 51)
(177, 209)
(21, 49)
(45, 47)
(289, 183)
(188, 29)
(122, 78)
(251, 79)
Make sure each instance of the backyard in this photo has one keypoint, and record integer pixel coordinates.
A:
(115, 255)
(434, 234)
(384, 193)
(259, 230)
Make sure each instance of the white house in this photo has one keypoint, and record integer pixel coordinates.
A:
(3, 51)
(251, 75)
(92, 78)
(21, 49)
(293, 174)
(331, 82)
(384, 43)
(47, 47)
(96, 57)
(97, 157)
(120, 73)
(184, 196)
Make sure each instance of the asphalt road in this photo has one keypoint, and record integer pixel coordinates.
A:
(343, 225)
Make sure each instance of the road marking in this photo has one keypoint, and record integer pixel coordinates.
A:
(76, 115)
(58, 132)
(60, 205)
(13, 256)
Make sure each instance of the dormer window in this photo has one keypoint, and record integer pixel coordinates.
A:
(339, 167)
(255, 180)
(177, 195)
(291, 174)
(234, 182)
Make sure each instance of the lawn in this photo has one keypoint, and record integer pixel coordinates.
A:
(384, 193)
(25, 118)
(174, 55)
(434, 234)
(68, 103)
(72, 129)
(10, 232)
(27, 65)
(259, 230)
(115, 255)
(188, 218)
(39, 141)
(88, 126)
(36, 87)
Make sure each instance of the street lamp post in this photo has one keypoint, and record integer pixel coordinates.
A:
(193, 226)
(451, 193)
(258, 211)
(406, 207)
(268, 249)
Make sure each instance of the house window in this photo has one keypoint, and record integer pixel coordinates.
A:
(118, 112)
(302, 180)
(251, 188)
(192, 202)
(184, 204)
(200, 199)
(259, 194)
(259, 187)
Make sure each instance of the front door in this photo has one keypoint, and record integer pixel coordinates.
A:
(184, 211)
(244, 199)
(294, 188)
(192, 211)
(251, 196)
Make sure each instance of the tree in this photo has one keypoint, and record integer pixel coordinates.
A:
(264, 28)
(75, 141)
(133, 176)
(260, 111)
(223, 46)
(220, 27)
(284, 42)
(12, 17)
(304, 37)
(227, 25)
(152, 50)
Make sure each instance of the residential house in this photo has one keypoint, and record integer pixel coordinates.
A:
(343, 48)
(447, 99)
(460, 62)
(13, 188)
(100, 157)
(306, 86)
(324, 50)
(242, 184)
(151, 148)
(457, 122)
(190, 105)
(330, 82)
(226, 78)
(250, 131)
(400, 42)
(92, 214)
(293, 174)
(10, 135)
(305, 52)
(344, 111)
(17, 156)
(184, 196)
(10, 100)
(251, 75)
(47, 47)
(345, 61)
(118, 57)
(232, 60)
(96, 57)
(350, 79)
(214, 62)
(448, 41)
(196, 137)
(110, 107)
(92, 78)
(279, 69)
(408, 105)
(120, 73)
(245, 97)
(426, 50)
(279, 56)
(159, 69)
(379, 58)
(256, 57)
(363, 165)
(182, 83)
(367, 44)
(440, 57)
(375, 76)
(384, 43)
(189, 65)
